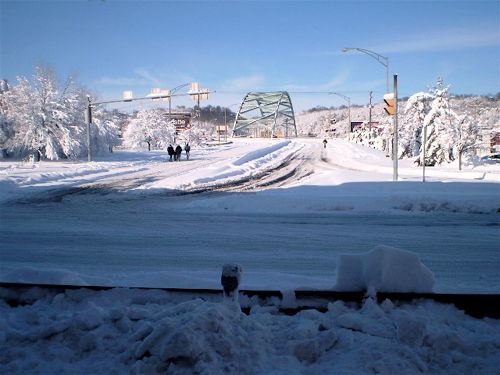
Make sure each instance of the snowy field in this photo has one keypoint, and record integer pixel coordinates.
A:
(286, 211)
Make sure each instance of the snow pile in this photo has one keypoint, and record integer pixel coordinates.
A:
(47, 276)
(148, 331)
(385, 269)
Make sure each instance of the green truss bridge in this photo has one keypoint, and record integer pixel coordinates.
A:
(265, 114)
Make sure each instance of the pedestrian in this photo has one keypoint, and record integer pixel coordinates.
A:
(187, 148)
(178, 152)
(324, 143)
(170, 151)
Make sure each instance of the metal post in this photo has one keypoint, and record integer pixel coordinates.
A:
(387, 75)
(423, 152)
(370, 118)
(199, 111)
(395, 130)
(169, 109)
(89, 121)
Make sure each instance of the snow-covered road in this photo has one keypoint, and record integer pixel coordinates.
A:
(134, 219)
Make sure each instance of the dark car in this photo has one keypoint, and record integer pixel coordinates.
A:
(491, 159)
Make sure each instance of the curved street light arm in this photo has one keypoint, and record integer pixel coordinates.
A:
(381, 59)
(345, 97)
(172, 91)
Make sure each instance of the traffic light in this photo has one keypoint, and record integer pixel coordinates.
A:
(389, 103)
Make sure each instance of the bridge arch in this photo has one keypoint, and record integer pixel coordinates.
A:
(265, 114)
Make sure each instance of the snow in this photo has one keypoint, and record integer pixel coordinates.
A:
(385, 269)
(152, 331)
(111, 222)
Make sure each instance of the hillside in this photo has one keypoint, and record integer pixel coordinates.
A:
(316, 122)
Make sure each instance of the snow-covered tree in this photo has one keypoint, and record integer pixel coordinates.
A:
(440, 122)
(410, 125)
(194, 135)
(104, 131)
(364, 134)
(41, 113)
(150, 126)
(467, 137)
(3, 133)
(44, 117)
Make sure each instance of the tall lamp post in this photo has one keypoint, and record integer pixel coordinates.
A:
(348, 99)
(381, 59)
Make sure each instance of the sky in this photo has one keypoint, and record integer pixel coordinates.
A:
(234, 47)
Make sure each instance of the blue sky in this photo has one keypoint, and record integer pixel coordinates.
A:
(238, 46)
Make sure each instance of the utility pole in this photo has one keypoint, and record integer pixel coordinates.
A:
(424, 136)
(395, 130)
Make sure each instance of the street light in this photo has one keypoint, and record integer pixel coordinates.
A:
(381, 59)
(348, 99)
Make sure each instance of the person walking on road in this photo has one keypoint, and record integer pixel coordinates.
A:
(187, 148)
(170, 151)
(178, 152)
(324, 143)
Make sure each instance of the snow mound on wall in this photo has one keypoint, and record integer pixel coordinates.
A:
(385, 269)
(147, 332)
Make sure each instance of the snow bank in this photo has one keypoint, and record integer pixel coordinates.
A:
(34, 276)
(385, 269)
(250, 164)
(140, 331)
(260, 153)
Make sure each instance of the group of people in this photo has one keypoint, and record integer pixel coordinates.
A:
(176, 153)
